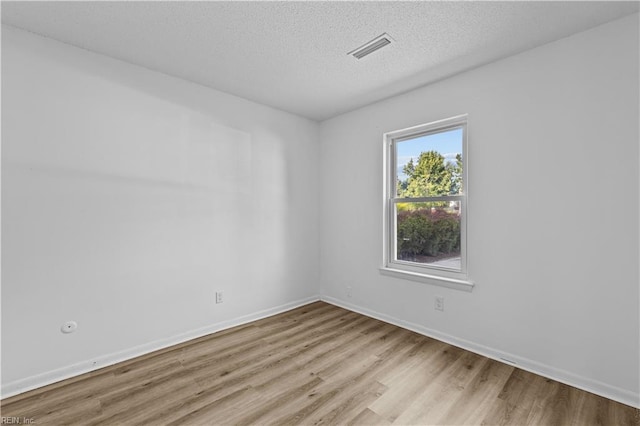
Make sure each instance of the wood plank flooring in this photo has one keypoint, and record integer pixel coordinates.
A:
(318, 364)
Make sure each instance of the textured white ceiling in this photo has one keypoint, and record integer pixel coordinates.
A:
(293, 55)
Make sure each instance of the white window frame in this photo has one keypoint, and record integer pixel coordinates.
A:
(432, 274)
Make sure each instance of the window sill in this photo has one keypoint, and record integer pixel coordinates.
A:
(429, 279)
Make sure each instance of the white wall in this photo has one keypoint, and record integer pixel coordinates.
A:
(553, 210)
(130, 197)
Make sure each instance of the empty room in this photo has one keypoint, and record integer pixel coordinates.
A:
(344, 213)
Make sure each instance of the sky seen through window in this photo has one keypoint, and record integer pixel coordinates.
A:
(448, 144)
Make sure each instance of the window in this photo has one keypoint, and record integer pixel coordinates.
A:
(425, 211)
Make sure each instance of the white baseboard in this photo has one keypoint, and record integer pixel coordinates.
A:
(47, 378)
(594, 386)
(584, 383)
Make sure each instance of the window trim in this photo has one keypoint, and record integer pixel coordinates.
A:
(436, 275)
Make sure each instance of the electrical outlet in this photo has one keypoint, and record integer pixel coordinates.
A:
(349, 291)
(439, 305)
(218, 297)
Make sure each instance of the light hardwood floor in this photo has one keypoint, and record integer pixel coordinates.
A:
(318, 364)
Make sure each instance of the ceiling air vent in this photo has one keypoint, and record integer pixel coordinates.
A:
(371, 46)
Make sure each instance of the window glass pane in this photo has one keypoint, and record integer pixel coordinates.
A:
(429, 233)
(429, 165)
